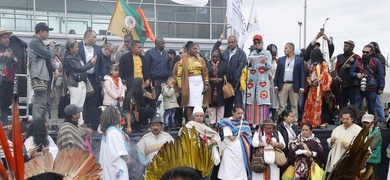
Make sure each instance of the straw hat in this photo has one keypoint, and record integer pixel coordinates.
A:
(5, 31)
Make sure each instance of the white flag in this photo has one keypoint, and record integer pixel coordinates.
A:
(236, 19)
(253, 24)
(197, 3)
(325, 50)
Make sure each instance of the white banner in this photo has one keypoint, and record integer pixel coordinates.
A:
(253, 24)
(197, 3)
(236, 19)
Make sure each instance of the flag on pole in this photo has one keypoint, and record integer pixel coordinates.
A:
(325, 51)
(149, 32)
(253, 24)
(125, 20)
(197, 3)
(236, 19)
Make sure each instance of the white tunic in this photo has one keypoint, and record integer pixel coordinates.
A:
(113, 146)
(232, 166)
(274, 174)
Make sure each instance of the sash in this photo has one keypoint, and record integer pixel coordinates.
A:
(245, 138)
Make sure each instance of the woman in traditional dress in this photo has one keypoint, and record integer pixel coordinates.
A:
(217, 71)
(192, 79)
(114, 156)
(342, 135)
(304, 149)
(206, 134)
(268, 137)
(317, 111)
(256, 79)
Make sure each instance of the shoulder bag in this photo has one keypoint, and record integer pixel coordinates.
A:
(280, 158)
(257, 164)
(228, 90)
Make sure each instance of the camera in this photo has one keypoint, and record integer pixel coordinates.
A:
(363, 83)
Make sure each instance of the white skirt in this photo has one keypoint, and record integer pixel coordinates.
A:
(195, 84)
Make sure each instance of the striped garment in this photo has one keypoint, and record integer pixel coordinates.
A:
(150, 144)
(70, 136)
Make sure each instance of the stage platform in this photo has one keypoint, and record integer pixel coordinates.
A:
(322, 134)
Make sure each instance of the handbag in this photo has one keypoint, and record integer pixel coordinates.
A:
(90, 90)
(289, 173)
(228, 90)
(316, 172)
(280, 158)
(269, 154)
(257, 164)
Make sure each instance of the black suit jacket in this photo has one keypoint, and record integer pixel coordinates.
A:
(98, 65)
(280, 127)
(126, 68)
(298, 74)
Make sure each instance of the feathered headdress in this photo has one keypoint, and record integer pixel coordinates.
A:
(187, 150)
(354, 160)
(71, 163)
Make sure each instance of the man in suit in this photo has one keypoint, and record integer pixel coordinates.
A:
(236, 58)
(289, 79)
(87, 50)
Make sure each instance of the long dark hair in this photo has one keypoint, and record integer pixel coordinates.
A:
(285, 113)
(316, 56)
(135, 93)
(39, 132)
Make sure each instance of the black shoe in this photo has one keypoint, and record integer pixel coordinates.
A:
(55, 128)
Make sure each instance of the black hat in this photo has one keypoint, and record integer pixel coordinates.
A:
(156, 120)
(171, 51)
(317, 44)
(42, 27)
(72, 109)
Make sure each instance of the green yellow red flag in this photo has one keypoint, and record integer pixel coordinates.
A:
(149, 32)
(125, 20)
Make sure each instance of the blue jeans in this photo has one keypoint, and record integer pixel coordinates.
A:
(370, 100)
(169, 116)
(379, 109)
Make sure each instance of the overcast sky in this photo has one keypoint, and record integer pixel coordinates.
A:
(359, 20)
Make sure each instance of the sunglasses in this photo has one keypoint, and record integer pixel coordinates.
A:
(257, 42)
(366, 52)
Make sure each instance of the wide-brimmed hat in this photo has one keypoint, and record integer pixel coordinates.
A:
(4, 31)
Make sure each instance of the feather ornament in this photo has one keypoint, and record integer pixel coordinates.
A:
(187, 150)
(354, 160)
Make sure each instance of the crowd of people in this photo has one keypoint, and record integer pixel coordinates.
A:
(272, 97)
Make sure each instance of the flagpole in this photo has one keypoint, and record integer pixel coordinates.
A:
(246, 63)
(105, 8)
(140, 3)
(250, 16)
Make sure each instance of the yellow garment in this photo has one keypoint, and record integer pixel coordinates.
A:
(243, 78)
(137, 67)
(194, 69)
(194, 66)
